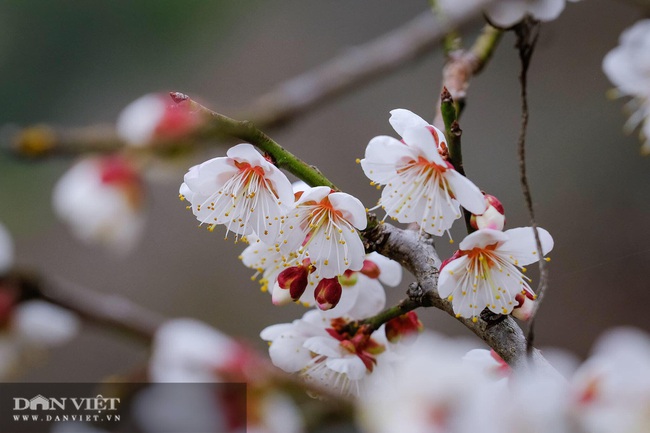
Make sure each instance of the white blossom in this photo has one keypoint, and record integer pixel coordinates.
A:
(420, 186)
(628, 67)
(242, 191)
(102, 201)
(485, 272)
(323, 227)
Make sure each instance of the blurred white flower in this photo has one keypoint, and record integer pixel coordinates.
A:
(193, 354)
(611, 390)
(28, 329)
(102, 201)
(426, 393)
(322, 353)
(506, 13)
(420, 186)
(628, 67)
(6, 250)
(187, 350)
(155, 116)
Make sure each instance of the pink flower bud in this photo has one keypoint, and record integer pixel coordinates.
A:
(493, 217)
(370, 269)
(328, 293)
(404, 325)
(294, 279)
(156, 116)
(525, 308)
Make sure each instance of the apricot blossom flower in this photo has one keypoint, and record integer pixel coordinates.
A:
(242, 191)
(420, 187)
(485, 271)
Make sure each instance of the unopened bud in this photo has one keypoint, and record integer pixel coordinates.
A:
(349, 278)
(370, 269)
(493, 217)
(404, 325)
(295, 280)
(328, 293)
(525, 307)
(156, 116)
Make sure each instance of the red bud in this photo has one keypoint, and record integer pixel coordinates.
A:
(328, 293)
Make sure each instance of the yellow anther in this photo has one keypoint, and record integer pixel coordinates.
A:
(474, 319)
(547, 259)
(358, 161)
(450, 298)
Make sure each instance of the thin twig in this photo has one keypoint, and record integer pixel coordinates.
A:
(462, 65)
(527, 34)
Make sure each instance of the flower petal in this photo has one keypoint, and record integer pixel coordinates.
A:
(482, 238)
(421, 139)
(468, 195)
(522, 246)
(351, 207)
(402, 119)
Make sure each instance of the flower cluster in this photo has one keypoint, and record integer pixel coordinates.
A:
(102, 199)
(431, 390)
(422, 187)
(301, 239)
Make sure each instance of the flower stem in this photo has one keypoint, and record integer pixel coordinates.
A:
(247, 131)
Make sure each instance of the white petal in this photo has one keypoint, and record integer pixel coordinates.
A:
(390, 272)
(138, 120)
(421, 140)
(351, 366)
(351, 207)
(40, 322)
(326, 346)
(247, 153)
(280, 296)
(371, 298)
(402, 119)
(450, 274)
(382, 155)
(482, 238)
(281, 186)
(315, 194)
(468, 195)
(272, 332)
(546, 10)
(287, 352)
(506, 13)
(522, 246)
(210, 176)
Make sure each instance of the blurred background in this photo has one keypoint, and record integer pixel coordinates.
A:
(76, 63)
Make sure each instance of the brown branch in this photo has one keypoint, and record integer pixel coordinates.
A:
(419, 257)
(356, 67)
(110, 311)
